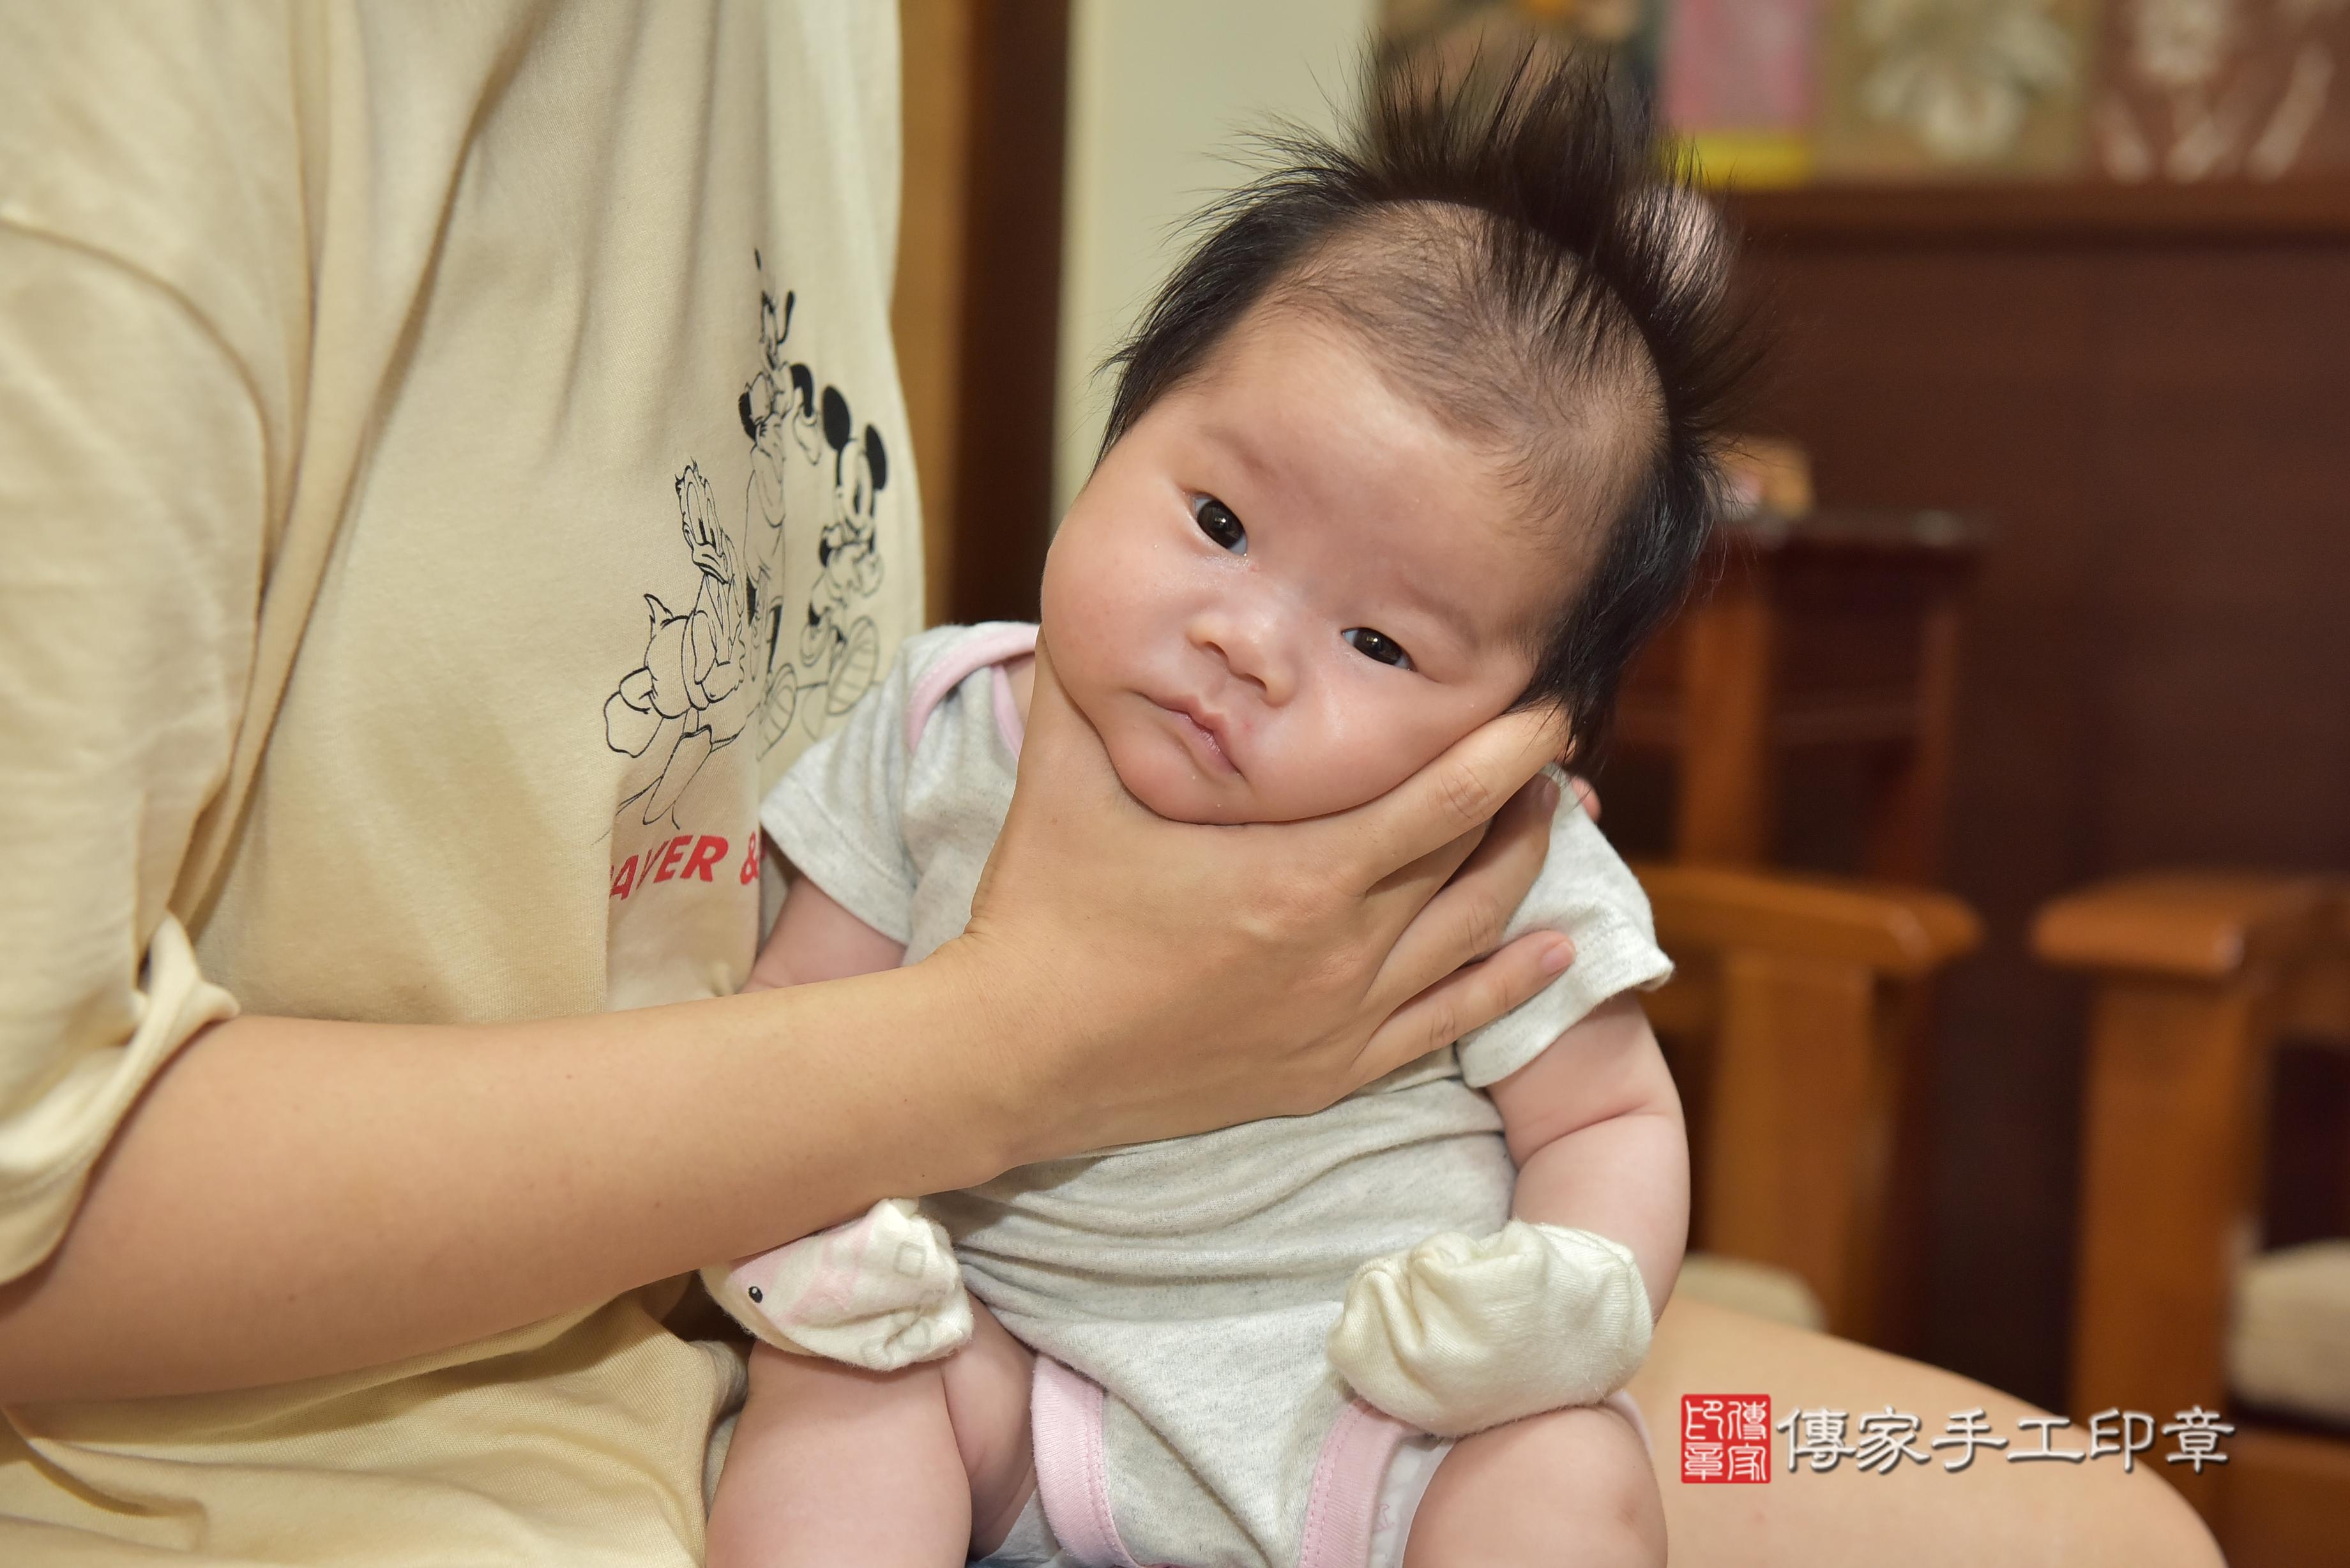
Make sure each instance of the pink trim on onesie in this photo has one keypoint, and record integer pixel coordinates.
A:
(1342, 1505)
(1008, 722)
(1065, 1414)
(996, 649)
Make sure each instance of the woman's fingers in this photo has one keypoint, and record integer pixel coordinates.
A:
(1469, 997)
(1464, 919)
(1451, 795)
(1153, 977)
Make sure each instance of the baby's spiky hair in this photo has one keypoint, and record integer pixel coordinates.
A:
(1516, 247)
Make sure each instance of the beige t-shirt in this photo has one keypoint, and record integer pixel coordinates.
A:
(451, 461)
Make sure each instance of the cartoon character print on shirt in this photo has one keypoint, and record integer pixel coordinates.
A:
(692, 694)
(838, 650)
(778, 413)
(740, 651)
(841, 650)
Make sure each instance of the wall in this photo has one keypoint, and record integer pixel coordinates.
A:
(977, 310)
(2158, 669)
(1161, 98)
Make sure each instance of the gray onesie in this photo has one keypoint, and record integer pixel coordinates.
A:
(1182, 1289)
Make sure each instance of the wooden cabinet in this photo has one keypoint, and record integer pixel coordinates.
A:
(1840, 631)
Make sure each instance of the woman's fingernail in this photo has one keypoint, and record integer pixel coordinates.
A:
(1560, 954)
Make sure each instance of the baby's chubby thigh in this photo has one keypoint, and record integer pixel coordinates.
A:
(830, 1462)
(1568, 1487)
(986, 1385)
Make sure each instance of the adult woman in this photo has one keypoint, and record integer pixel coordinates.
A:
(396, 656)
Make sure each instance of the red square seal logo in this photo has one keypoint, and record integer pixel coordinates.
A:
(1725, 1438)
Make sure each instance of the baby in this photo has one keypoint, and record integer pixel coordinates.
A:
(1423, 430)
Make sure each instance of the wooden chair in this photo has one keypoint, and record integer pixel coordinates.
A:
(2196, 979)
(1791, 1025)
(1835, 630)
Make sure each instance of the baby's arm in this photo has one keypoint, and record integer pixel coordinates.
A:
(1463, 1332)
(1593, 1124)
(814, 939)
(1595, 1128)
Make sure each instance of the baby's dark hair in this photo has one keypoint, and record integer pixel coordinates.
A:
(1516, 244)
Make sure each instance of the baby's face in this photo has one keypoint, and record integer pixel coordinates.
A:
(1288, 588)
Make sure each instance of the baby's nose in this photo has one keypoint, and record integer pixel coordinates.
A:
(1253, 647)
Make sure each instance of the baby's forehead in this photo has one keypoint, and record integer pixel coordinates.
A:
(1298, 432)
(1544, 489)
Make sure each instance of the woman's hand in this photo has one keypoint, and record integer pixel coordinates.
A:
(1164, 978)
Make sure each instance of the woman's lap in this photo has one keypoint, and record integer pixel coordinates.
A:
(1994, 1511)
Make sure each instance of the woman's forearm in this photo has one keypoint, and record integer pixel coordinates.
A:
(295, 1198)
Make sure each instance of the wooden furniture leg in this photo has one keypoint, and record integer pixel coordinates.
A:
(1798, 1127)
(1727, 807)
(1808, 990)
(2196, 977)
(1908, 826)
(2169, 1195)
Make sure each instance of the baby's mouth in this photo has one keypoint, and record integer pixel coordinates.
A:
(1201, 733)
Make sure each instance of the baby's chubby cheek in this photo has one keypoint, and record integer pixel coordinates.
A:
(1356, 751)
(1099, 623)
(1353, 760)
(1082, 607)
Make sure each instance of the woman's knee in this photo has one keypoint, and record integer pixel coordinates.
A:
(2017, 1513)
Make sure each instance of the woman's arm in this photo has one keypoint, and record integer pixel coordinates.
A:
(293, 1196)
(1594, 1126)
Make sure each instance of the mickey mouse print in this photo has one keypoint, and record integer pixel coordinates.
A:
(742, 657)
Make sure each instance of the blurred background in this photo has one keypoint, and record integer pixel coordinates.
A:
(2040, 602)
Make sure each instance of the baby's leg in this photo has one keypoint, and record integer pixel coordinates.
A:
(920, 1468)
(1570, 1487)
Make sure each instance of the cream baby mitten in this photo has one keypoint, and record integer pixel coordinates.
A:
(882, 1291)
(1456, 1335)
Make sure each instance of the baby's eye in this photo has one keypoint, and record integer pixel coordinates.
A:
(1217, 522)
(1377, 645)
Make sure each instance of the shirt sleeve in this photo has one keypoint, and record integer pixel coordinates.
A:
(1586, 891)
(134, 500)
(835, 813)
